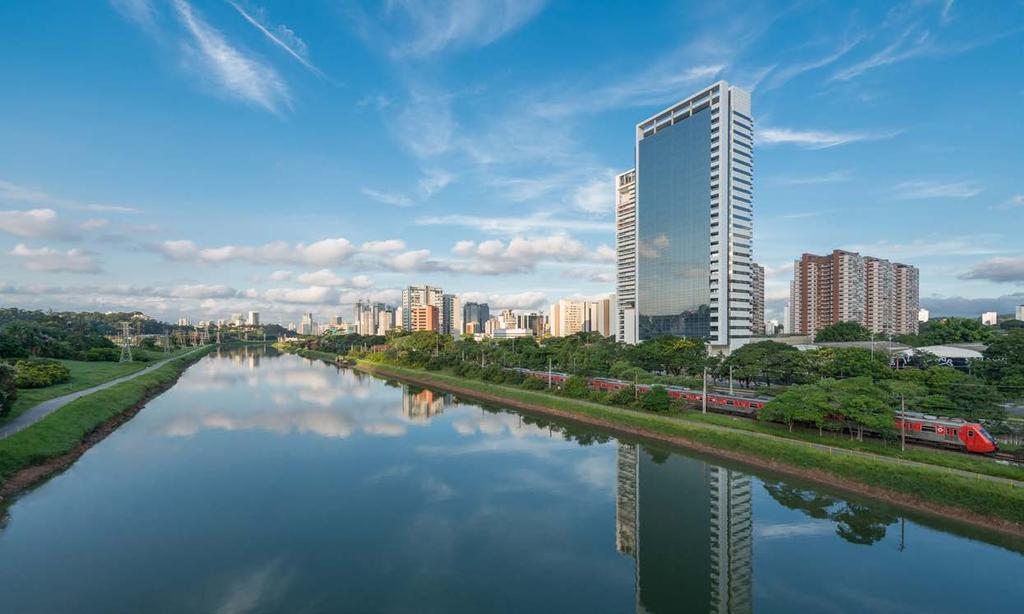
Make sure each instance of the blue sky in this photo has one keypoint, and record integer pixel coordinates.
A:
(203, 158)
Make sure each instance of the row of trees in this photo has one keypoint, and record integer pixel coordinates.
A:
(934, 332)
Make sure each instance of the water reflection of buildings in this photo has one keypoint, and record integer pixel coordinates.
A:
(657, 498)
(422, 404)
(246, 355)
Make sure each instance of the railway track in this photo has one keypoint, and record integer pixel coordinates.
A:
(1009, 457)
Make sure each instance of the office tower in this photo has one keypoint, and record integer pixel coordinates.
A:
(731, 541)
(534, 322)
(419, 296)
(694, 211)
(451, 315)
(757, 300)
(568, 317)
(847, 287)
(476, 312)
(308, 325)
(625, 257)
(425, 317)
(599, 316)
(254, 318)
(990, 318)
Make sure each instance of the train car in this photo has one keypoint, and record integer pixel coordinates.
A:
(947, 432)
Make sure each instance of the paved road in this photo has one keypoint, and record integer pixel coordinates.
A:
(46, 408)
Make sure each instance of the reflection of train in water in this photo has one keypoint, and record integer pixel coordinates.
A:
(921, 428)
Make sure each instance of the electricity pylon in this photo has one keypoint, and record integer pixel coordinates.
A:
(126, 342)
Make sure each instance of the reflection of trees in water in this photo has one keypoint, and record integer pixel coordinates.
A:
(856, 523)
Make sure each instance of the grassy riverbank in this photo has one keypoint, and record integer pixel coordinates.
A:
(63, 431)
(84, 374)
(928, 488)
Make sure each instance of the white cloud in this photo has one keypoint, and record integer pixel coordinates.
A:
(31, 223)
(909, 45)
(597, 195)
(323, 277)
(17, 193)
(232, 73)
(280, 35)
(921, 190)
(305, 296)
(396, 199)
(383, 247)
(280, 276)
(325, 252)
(47, 260)
(519, 300)
(434, 180)
(830, 177)
(816, 139)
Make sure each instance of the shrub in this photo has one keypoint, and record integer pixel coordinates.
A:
(533, 383)
(656, 400)
(575, 387)
(103, 355)
(39, 374)
(8, 388)
(624, 396)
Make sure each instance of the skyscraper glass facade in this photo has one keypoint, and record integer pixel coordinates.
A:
(674, 266)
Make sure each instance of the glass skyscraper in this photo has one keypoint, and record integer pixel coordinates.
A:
(694, 219)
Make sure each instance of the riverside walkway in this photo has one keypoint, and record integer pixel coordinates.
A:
(44, 409)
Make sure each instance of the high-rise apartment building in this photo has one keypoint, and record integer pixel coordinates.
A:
(757, 300)
(990, 318)
(1019, 315)
(308, 325)
(425, 317)
(451, 315)
(475, 312)
(385, 321)
(846, 287)
(418, 296)
(254, 318)
(694, 218)
(625, 257)
(600, 314)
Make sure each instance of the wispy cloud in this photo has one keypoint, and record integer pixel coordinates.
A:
(17, 193)
(396, 199)
(922, 190)
(830, 177)
(779, 77)
(420, 28)
(228, 69)
(817, 139)
(280, 35)
(516, 224)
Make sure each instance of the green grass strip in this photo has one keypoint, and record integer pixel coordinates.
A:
(929, 484)
(63, 430)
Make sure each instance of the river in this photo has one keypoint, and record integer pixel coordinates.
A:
(264, 482)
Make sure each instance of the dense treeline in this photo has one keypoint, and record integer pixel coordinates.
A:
(63, 334)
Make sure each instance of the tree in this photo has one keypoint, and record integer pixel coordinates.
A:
(656, 400)
(8, 389)
(843, 331)
(575, 387)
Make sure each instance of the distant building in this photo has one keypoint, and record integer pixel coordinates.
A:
(757, 299)
(568, 318)
(844, 286)
(787, 323)
(922, 315)
(990, 318)
(600, 315)
(237, 319)
(308, 325)
(511, 333)
(451, 315)
(1020, 312)
(184, 322)
(625, 257)
(419, 296)
(385, 321)
(477, 313)
(536, 322)
(425, 317)
(254, 318)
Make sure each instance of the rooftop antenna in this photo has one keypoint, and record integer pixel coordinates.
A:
(126, 342)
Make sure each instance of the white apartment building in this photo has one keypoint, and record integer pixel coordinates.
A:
(419, 296)
(990, 318)
(254, 318)
(625, 257)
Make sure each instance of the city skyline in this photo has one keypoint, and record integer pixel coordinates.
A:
(233, 157)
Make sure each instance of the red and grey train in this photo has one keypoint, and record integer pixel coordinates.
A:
(934, 430)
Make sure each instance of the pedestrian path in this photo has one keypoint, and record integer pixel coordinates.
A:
(46, 408)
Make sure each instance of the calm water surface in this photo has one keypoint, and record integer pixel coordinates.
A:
(269, 483)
